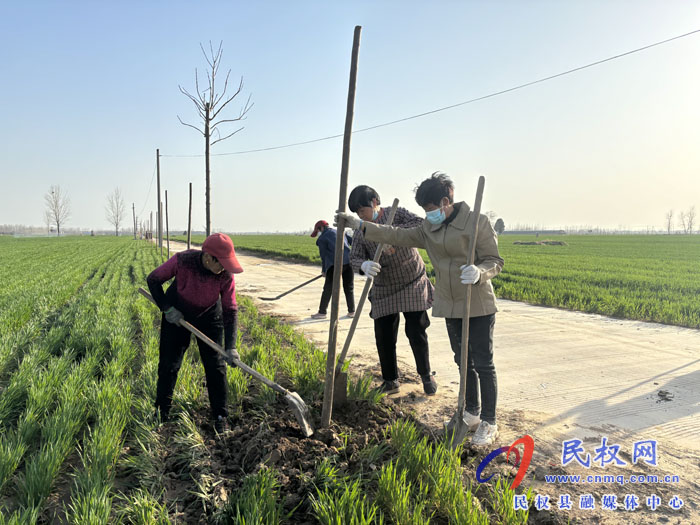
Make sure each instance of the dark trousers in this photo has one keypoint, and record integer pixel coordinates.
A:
(348, 288)
(481, 372)
(174, 340)
(386, 330)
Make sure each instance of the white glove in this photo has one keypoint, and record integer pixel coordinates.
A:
(371, 268)
(350, 220)
(470, 274)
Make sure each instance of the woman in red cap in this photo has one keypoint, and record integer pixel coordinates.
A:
(203, 294)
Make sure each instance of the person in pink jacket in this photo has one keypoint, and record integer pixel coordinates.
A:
(203, 294)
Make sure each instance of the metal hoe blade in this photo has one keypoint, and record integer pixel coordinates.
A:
(301, 413)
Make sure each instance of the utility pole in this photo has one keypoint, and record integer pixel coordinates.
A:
(160, 223)
(167, 227)
(189, 220)
(133, 210)
(150, 225)
(159, 207)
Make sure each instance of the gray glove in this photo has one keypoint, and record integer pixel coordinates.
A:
(350, 220)
(231, 354)
(173, 315)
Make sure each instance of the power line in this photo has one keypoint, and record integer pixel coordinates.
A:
(452, 106)
(149, 191)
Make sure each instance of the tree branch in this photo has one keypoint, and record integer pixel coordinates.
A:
(216, 102)
(240, 88)
(227, 136)
(188, 95)
(189, 125)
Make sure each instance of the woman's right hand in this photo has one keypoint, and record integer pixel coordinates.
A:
(173, 315)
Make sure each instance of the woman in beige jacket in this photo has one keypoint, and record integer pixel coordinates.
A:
(445, 236)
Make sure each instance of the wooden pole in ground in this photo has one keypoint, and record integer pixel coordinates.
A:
(340, 238)
(133, 210)
(159, 207)
(160, 221)
(167, 227)
(189, 220)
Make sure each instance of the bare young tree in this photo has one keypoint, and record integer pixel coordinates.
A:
(47, 221)
(669, 221)
(209, 105)
(57, 207)
(115, 209)
(682, 221)
(690, 219)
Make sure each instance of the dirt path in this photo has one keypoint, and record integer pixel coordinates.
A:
(561, 375)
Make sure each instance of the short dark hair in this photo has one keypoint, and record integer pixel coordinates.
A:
(362, 196)
(434, 189)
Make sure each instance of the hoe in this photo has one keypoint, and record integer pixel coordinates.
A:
(457, 425)
(341, 378)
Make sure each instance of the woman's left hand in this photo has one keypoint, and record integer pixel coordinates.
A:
(470, 274)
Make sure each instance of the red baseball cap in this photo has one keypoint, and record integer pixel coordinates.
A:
(221, 246)
(317, 227)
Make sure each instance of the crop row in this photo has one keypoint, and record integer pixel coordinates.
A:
(79, 444)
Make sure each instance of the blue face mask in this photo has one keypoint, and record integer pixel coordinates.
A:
(375, 214)
(435, 216)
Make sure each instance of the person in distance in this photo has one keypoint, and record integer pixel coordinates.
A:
(326, 249)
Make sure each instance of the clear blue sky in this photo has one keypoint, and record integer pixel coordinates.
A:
(90, 90)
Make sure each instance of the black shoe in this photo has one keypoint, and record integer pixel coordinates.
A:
(389, 387)
(429, 384)
(220, 425)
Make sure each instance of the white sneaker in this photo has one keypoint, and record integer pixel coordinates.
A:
(486, 434)
(470, 420)
(318, 315)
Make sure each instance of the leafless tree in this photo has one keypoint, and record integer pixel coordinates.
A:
(687, 220)
(669, 221)
(690, 219)
(115, 209)
(47, 221)
(209, 105)
(57, 207)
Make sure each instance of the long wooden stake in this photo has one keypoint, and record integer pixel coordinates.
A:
(189, 220)
(159, 207)
(160, 221)
(461, 400)
(340, 237)
(167, 227)
(133, 210)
